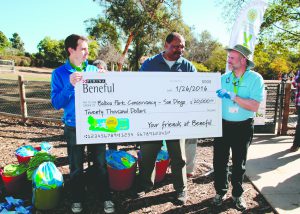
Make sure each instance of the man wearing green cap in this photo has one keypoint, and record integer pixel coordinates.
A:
(241, 93)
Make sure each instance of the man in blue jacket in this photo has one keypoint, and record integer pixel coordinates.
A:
(64, 78)
(170, 60)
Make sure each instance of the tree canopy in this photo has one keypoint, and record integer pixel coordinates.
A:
(17, 43)
(282, 21)
(272, 59)
(51, 51)
(136, 20)
(202, 46)
(3, 41)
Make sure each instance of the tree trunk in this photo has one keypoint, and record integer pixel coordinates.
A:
(112, 66)
(121, 60)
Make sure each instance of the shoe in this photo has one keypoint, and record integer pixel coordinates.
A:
(76, 207)
(182, 197)
(239, 202)
(294, 148)
(109, 207)
(218, 200)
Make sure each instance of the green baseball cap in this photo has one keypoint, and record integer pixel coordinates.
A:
(244, 51)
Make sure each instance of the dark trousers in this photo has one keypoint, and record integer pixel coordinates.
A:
(76, 159)
(297, 134)
(237, 136)
(176, 150)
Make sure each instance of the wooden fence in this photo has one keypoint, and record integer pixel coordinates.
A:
(34, 103)
(27, 99)
(288, 108)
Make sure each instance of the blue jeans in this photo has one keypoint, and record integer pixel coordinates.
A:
(76, 159)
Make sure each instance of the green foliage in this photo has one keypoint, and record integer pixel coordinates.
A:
(104, 31)
(294, 58)
(3, 41)
(93, 49)
(217, 60)
(19, 60)
(51, 52)
(262, 61)
(202, 47)
(9, 51)
(280, 65)
(281, 21)
(139, 49)
(142, 22)
(274, 59)
(17, 43)
(200, 67)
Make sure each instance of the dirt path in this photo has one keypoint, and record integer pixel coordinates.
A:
(14, 134)
(33, 71)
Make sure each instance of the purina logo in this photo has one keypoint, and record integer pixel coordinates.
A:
(93, 81)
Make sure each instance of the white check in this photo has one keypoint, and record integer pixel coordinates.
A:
(145, 106)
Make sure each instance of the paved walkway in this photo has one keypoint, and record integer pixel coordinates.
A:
(275, 171)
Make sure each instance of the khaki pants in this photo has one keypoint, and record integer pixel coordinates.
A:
(190, 150)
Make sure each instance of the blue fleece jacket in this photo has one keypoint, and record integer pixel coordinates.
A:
(157, 63)
(62, 91)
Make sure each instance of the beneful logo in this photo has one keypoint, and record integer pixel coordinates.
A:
(100, 87)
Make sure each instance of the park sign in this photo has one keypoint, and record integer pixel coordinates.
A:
(144, 106)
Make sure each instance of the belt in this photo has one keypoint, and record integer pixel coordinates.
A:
(248, 121)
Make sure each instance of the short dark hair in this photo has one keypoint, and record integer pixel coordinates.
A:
(173, 35)
(72, 42)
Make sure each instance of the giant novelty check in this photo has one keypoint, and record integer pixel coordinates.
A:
(145, 106)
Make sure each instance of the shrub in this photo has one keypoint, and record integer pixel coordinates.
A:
(19, 60)
(200, 67)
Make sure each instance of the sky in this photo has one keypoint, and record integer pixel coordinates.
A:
(33, 20)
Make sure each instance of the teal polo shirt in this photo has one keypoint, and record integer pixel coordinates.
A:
(250, 87)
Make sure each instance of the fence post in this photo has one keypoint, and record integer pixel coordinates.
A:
(22, 98)
(286, 109)
(281, 95)
(276, 105)
(13, 64)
